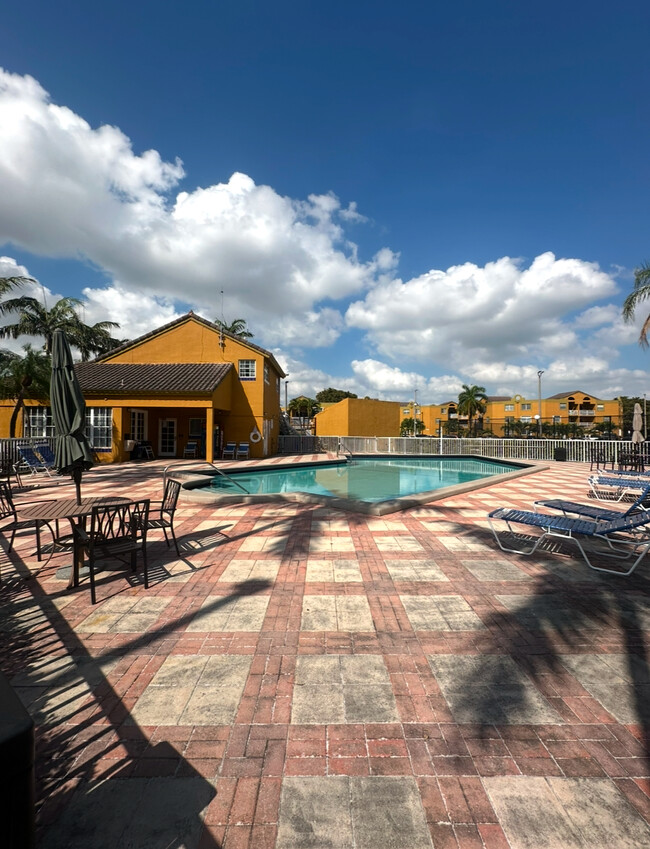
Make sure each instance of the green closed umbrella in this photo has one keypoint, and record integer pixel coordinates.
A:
(73, 453)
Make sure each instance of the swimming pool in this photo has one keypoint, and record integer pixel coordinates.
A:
(376, 485)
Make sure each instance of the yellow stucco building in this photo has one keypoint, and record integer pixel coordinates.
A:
(504, 416)
(187, 381)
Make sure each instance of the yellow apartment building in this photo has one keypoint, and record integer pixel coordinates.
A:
(188, 381)
(504, 416)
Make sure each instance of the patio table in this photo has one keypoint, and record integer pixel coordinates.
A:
(76, 513)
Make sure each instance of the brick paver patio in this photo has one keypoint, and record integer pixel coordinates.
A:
(303, 677)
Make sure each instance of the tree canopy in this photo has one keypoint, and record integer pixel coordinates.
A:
(471, 401)
(411, 427)
(333, 396)
(640, 293)
(303, 406)
(24, 377)
(237, 327)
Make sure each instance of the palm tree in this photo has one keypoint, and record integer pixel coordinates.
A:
(471, 400)
(24, 377)
(9, 283)
(641, 293)
(236, 327)
(36, 320)
(93, 339)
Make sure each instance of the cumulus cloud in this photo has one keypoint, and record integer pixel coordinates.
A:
(467, 314)
(77, 191)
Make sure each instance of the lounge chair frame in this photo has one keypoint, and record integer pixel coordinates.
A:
(570, 530)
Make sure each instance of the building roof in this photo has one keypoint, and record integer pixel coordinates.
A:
(499, 398)
(158, 378)
(566, 395)
(130, 343)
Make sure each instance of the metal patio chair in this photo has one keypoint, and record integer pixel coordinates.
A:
(161, 513)
(117, 531)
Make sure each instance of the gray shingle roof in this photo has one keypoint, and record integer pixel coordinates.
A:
(153, 378)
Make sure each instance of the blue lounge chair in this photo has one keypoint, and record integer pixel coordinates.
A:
(229, 451)
(243, 452)
(608, 488)
(570, 529)
(46, 454)
(622, 473)
(600, 514)
(29, 462)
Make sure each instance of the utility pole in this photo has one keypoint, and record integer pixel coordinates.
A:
(286, 395)
(539, 397)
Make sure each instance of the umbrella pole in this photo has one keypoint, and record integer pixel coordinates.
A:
(76, 476)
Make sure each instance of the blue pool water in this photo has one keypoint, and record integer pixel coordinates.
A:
(370, 480)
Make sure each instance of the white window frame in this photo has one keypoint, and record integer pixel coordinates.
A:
(99, 428)
(526, 407)
(247, 369)
(37, 423)
(139, 425)
(267, 373)
(509, 408)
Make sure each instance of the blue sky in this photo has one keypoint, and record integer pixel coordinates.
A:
(394, 195)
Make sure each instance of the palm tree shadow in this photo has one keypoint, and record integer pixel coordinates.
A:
(551, 637)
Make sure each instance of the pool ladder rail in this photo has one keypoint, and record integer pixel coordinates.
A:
(201, 465)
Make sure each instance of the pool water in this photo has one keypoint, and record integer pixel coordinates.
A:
(369, 480)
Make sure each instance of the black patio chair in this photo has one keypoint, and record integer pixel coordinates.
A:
(9, 520)
(116, 531)
(161, 513)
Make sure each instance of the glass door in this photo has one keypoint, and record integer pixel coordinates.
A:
(167, 438)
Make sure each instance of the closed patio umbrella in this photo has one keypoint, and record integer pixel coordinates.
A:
(637, 424)
(73, 453)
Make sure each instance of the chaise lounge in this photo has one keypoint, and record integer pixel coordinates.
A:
(573, 529)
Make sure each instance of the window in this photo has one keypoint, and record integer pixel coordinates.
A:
(525, 406)
(443, 410)
(197, 428)
(138, 425)
(563, 405)
(526, 419)
(405, 412)
(557, 419)
(38, 422)
(99, 427)
(247, 370)
(277, 384)
(600, 406)
(509, 408)
(266, 373)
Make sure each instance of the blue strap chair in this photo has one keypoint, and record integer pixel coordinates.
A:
(591, 511)
(30, 462)
(574, 529)
(229, 451)
(243, 452)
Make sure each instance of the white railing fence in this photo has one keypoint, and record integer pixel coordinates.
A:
(573, 450)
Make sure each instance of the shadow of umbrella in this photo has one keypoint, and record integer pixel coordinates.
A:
(73, 454)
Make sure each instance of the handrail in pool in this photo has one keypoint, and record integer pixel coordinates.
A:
(199, 465)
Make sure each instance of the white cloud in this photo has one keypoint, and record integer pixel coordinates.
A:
(73, 190)
(468, 314)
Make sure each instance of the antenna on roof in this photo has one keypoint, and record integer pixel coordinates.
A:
(222, 341)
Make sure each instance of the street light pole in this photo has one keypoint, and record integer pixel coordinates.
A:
(539, 397)
(415, 412)
(645, 420)
(286, 392)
